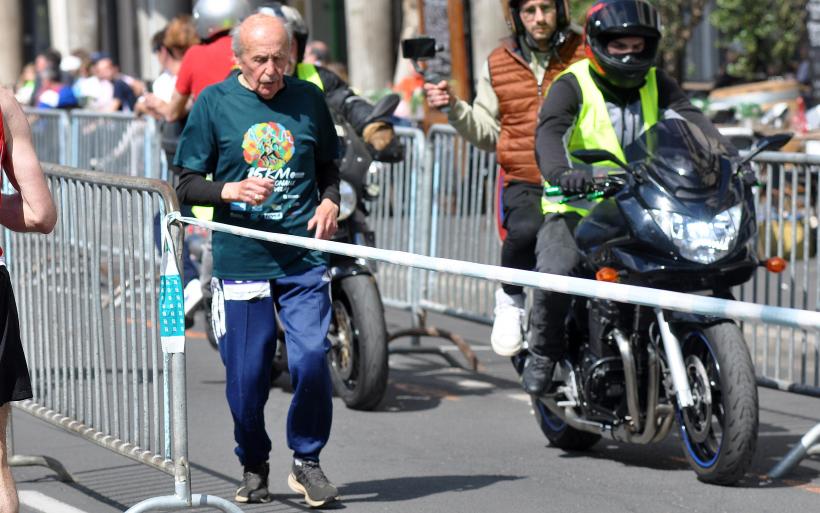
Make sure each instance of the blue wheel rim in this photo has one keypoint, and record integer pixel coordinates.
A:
(549, 419)
(698, 452)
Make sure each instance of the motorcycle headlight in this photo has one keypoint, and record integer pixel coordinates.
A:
(703, 242)
(348, 203)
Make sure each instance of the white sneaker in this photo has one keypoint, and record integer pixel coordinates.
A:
(192, 294)
(507, 337)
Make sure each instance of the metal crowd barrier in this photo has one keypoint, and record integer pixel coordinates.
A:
(50, 134)
(88, 299)
(462, 224)
(118, 143)
(394, 215)
(788, 207)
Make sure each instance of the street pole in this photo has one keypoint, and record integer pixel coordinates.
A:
(11, 40)
(369, 43)
(73, 25)
(487, 27)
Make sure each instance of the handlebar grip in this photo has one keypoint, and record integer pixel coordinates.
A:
(553, 190)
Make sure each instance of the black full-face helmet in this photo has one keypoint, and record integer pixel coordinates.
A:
(612, 19)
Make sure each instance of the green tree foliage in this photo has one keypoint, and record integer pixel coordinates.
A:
(679, 19)
(578, 9)
(768, 31)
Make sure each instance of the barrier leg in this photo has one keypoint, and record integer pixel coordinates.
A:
(19, 460)
(422, 329)
(172, 502)
(809, 444)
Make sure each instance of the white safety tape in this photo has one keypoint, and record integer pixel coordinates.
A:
(655, 298)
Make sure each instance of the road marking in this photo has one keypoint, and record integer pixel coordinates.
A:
(44, 503)
(474, 385)
(196, 334)
(525, 398)
(802, 485)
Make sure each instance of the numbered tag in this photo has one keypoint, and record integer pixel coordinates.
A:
(171, 298)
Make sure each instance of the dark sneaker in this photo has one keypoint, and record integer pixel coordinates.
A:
(306, 477)
(537, 373)
(254, 487)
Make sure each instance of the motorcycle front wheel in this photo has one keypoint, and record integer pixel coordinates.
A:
(719, 432)
(358, 336)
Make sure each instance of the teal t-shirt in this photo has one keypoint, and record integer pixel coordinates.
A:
(234, 134)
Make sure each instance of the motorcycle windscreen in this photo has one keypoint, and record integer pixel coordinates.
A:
(679, 157)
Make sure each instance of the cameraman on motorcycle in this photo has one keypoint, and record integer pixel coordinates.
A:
(502, 119)
(603, 102)
(371, 123)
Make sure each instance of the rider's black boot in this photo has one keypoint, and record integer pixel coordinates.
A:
(537, 373)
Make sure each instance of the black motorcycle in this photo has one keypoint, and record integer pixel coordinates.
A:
(680, 217)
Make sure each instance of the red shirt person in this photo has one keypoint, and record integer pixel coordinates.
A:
(211, 61)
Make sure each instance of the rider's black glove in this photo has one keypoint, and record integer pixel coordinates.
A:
(575, 181)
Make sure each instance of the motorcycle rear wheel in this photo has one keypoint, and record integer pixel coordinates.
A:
(719, 433)
(358, 353)
(558, 432)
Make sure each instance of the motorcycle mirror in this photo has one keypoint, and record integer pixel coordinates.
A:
(594, 156)
(772, 142)
(418, 48)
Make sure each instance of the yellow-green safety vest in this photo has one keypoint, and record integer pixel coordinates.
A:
(593, 129)
(304, 71)
(309, 73)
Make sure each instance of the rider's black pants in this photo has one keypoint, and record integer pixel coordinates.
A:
(522, 219)
(555, 253)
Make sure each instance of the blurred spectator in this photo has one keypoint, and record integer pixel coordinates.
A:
(112, 94)
(51, 91)
(26, 83)
(45, 60)
(317, 52)
(85, 85)
(169, 45)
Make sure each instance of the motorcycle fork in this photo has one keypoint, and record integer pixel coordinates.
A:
(674, 358)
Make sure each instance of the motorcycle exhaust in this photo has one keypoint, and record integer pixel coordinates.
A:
(570, 417)
(630, 377)
(651, 430)
(659, 417)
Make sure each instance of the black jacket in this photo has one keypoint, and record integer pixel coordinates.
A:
(563, 104)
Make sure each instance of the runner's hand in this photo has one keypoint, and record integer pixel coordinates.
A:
(253, 191)
(324, 220)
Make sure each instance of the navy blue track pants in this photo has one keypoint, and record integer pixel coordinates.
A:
(245, 324)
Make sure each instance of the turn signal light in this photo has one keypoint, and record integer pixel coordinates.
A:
(776, 264)
(607, 274)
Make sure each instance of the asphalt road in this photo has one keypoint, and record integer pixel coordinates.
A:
(444, 439)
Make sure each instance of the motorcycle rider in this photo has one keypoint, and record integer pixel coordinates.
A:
(371, 123)
(502, 118)
(603, 102)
